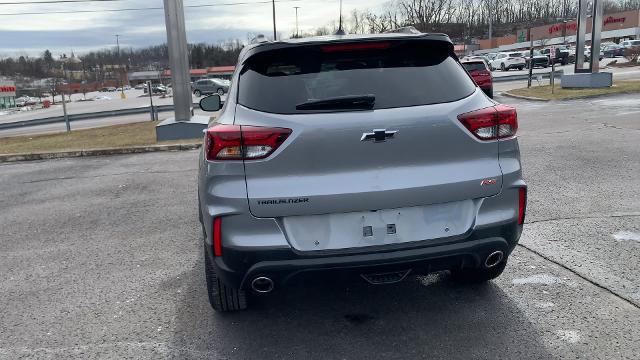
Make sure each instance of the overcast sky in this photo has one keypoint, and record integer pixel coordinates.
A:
(32, 34)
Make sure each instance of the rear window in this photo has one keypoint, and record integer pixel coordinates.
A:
(515, 54)
(397, 73)
(474, 66)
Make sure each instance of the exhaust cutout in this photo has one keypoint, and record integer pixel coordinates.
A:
(262, 285)
(493, 259)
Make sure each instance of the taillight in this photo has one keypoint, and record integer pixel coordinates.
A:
(496, 122)
(217, 236)
(522, 204)
(242, 142)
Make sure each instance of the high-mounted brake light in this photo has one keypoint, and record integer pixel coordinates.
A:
(242, 142)
(355, 46)
(496, 122)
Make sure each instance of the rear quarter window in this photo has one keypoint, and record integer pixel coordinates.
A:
(407, 73)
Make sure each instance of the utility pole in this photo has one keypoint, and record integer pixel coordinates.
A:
(530, 57)
(297, 7)
(273, 3)
(64, 104)
(122, 95)
(179, 58)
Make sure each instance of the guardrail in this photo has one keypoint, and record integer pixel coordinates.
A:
(545, 75)
(84, 116)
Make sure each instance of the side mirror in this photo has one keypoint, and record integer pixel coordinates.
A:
(211, 103)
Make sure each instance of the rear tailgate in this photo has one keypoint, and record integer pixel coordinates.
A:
(331, 170)
(324, 167)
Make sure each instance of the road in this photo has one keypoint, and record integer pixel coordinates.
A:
(101, 258)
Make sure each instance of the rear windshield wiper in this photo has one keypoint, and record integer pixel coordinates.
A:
(363, 102)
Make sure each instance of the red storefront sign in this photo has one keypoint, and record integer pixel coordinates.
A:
(612, 20)
(558, 27)
(8, 89)
(574, 26)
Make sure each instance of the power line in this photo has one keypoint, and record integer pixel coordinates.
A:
(138, 9)
(53, 2)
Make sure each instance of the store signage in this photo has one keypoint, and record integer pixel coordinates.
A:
(574, 26)
(612, 20)
(558, 27)
(5, 89)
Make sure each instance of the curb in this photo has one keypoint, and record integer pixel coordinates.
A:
(508, 94)
(96, 152)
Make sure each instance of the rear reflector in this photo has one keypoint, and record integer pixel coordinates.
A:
(496, 122)
(522, 204)
(355, 46)
(217, 236)
(236, 142)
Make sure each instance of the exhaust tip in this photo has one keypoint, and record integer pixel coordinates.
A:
(262, 284)
(494, 259)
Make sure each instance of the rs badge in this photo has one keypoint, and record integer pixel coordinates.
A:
(488, 182)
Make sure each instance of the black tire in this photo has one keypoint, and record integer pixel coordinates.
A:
(503, 68)
(475, 276)
(222, 297)
(197, 93)
(520, 68)
(220, 92)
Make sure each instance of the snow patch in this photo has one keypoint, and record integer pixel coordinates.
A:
(545, 305)
(545, 279)
(626, 236)
(570, 336)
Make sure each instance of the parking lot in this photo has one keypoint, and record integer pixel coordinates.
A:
(101, 257)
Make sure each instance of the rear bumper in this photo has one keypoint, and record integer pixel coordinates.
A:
(237, 268)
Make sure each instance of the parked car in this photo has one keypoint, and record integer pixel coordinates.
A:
(156, 89)
(351, 155)
(612, 51)
(111, 89)
(629, 43)
(539, 60)
(140, 86)
(587, 53)
(481, 74)
(476, 57)
(564, 55)
(506, 61)
(210, 86)
(25, 101)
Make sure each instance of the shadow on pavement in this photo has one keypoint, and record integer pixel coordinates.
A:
(422, 317)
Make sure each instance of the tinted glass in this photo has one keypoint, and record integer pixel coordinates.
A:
(515, 54)
(404, 74)
(474, 66)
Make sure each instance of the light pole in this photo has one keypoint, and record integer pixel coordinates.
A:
(273, 4)
(122, 95)
(297, 7)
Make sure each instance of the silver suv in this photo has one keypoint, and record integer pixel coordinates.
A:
(210, 86)
(374, 155)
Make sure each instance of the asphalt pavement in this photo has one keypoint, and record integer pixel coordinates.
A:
(101, 258)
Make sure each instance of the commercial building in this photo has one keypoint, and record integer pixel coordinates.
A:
(222, 72)
(7, 94)
(615, 28)
(139, 77)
